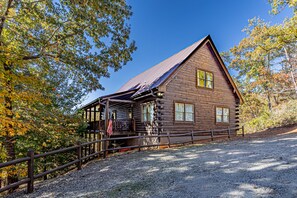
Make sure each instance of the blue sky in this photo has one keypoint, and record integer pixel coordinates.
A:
(161, 28)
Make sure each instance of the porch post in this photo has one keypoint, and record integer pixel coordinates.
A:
(106, 126)
(106, 115)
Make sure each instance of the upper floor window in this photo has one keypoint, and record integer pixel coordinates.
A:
(184, 112)
(204, 79)
(222, 115)
(148, 111)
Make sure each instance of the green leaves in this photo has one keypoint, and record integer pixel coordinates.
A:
(52, 53)
(265, 62)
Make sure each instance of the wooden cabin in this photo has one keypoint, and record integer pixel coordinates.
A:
(191, 90)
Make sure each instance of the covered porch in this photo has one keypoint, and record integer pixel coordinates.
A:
(116, 108)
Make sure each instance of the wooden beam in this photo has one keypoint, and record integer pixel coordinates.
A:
(117, 94)
(121, 101)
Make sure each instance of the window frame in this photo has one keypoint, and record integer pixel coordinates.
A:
(184, 112)
(205, 79)
(147, 112)
(222, 116)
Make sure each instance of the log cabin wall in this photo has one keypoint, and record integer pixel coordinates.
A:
(141, 126)
(144, 128)
(182, 87)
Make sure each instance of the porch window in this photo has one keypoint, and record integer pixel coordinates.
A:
(114, 115)
(222, 115)
(184, 112)
(204, 79)
(148, 111)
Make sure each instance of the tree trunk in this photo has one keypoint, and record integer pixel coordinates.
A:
(269, 102)
(291, 70)
(9, 144)
(275, 100)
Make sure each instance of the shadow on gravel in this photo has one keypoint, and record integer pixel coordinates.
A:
(241, 168)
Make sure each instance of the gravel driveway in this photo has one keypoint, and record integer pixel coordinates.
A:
(241, 168)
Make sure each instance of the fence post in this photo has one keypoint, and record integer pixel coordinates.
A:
(211, 134)
(242, 128)
(229, 132)
(30, 185)
(105, 147)
(139, 146)
(168, 137)
(79, 155)
(192, 137)
(98, 145)
(44, 168)
(85, 148)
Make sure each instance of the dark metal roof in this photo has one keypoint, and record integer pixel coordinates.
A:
(157, 74)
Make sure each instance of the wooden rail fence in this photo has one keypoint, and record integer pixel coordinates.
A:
(80, 147)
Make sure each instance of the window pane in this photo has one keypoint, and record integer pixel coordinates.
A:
(179, 107)
(189, 108)
(226, 118)
(209, 76)
(189, 117)
(148, 111)
(201, 74)
(151, 112)
(209, 84)
(219, 118)
(201, 82)
(226, 111)
(144, 108)
(219, 111)
(201, 78)
(179, 116)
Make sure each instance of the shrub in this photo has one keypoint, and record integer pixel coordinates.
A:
(281, 115)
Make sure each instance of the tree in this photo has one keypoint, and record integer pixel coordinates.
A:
(51, 54)
(265, 62)
(278, 5)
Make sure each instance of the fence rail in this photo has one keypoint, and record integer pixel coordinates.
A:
(103, 152)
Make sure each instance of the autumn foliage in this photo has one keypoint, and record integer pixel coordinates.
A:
(265, 62)
(53, 53)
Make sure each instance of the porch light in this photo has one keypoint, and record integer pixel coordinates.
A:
(160, 94)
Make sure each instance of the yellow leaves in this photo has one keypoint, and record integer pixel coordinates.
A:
(11, 12)
(44, 144)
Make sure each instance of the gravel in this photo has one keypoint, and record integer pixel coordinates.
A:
(241, 168)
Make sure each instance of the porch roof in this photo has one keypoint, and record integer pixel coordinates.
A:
(124, 97)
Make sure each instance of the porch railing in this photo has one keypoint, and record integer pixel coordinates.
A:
(118, 125)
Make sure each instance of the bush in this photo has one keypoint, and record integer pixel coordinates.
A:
(281, 115)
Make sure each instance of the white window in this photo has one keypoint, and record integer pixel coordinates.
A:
(148, 111)
(222, 115)
(184, 112)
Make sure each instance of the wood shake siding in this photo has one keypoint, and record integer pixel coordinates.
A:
(182, 87)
